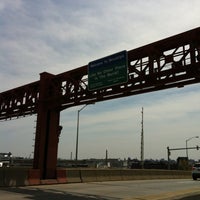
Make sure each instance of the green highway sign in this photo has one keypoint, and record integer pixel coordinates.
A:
(108, 71)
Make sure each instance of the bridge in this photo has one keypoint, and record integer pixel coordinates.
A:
(168, 63)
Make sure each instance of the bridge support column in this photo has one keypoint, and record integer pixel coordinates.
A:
(47, 133)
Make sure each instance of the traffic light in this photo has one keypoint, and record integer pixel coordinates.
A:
(168, 151)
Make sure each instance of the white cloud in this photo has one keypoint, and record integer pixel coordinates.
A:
(56, 36)
(9, 4)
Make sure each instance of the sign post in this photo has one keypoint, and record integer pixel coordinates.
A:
(108, 71)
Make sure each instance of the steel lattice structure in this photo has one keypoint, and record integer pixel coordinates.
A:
(171, 62)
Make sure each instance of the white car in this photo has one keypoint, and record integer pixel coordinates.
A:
(196, 171)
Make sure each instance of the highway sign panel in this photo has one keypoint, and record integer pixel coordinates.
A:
(108, 71)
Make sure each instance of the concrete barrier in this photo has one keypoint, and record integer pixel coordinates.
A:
(108, 175)
(1, 176)
(93, 175)
(15, 177)
(129, 174)
(61, 176)
(180, 174)
(26, 176)
(102, 175)
(115, 175)
(73, 176)
(34, 176)
(88, 175)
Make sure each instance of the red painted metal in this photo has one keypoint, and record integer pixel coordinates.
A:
(172, 62)
(47, 131)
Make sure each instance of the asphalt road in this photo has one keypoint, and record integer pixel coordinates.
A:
(127, 190)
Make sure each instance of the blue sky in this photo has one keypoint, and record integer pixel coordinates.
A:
(60, 35)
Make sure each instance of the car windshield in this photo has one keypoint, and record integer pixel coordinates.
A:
(197, 165)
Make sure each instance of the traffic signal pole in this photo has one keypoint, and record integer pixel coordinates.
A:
(169, 152)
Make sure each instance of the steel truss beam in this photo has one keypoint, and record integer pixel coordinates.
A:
(172, 62)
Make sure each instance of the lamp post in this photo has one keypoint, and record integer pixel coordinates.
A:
(187, 144)
(77, 132)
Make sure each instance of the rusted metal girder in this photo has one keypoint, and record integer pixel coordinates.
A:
(20, 101)
(172, 62)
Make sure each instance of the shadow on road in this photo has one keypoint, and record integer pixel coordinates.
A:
(192, 197)
(38, 194)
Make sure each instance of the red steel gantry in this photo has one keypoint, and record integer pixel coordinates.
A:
(171, 62)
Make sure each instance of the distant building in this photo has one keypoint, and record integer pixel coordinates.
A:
(183, 163)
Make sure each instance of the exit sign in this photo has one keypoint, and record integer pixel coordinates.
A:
(108, 71)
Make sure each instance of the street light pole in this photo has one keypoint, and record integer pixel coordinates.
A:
(142, 141)
(187, 144)
(77, 131)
